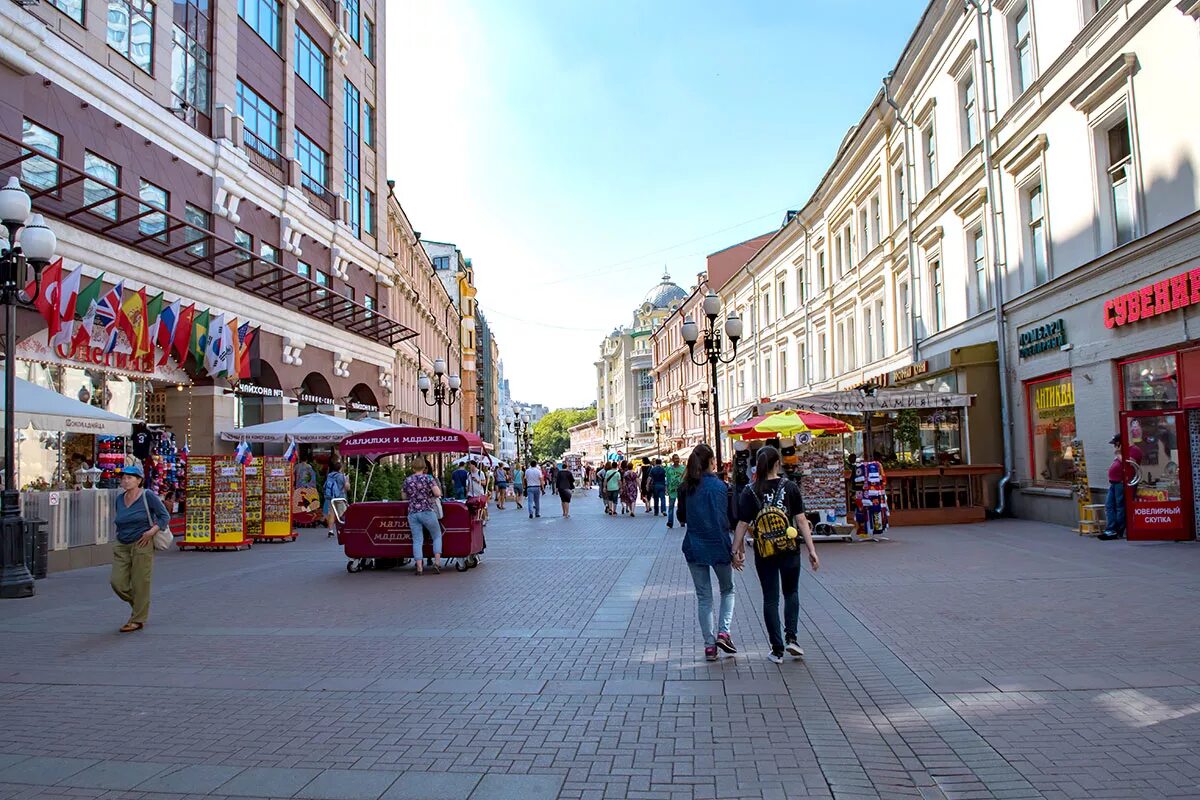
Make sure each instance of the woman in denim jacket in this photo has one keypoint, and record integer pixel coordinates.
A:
(704, 509)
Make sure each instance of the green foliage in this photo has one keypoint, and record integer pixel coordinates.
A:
(908, 430)
(387, 481)
(551, 434)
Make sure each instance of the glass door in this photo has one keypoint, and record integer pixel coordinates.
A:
(1157, 498)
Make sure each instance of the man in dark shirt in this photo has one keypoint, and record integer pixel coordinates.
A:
(658, 487)
(459, 478)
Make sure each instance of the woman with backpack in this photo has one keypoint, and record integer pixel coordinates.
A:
(335, 488)
(704, 502)
(771, 509)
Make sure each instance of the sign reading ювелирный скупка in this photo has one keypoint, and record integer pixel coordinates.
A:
(1042, 339)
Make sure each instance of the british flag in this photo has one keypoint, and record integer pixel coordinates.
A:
(108, 311)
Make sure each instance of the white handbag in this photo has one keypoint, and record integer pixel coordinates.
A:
(164, 538)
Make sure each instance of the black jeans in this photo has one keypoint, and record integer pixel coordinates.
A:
(772, 572)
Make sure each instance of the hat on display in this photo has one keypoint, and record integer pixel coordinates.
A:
(131, 469)
(1115, 440)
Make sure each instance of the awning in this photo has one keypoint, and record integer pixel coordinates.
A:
(853, 401)
(410, 439)
(305, 429)
(48, 410)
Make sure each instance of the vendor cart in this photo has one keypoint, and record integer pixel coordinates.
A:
(375, 535)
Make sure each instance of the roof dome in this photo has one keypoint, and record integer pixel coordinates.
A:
(665, 293)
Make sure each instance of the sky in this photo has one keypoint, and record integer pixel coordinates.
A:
(574, 151)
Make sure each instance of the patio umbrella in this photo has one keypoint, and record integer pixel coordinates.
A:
(306, 429)
(47, 410)
(788, 423)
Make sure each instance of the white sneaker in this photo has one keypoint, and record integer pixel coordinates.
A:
(794, 649)
(775, 656)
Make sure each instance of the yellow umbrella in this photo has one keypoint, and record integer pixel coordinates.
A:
(788, 423)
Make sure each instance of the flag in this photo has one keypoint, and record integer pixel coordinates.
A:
(133, 322)
(153, 312)
(199, 335)
(181, 340)
(165, 333)
(292, 453)
(68, 293)
(217, 333)
(243, 455)
(246, 336)
(46, 297)
(85, 309)
(108, 310)
(186, 451)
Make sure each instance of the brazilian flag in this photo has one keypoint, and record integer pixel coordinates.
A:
(199, 336)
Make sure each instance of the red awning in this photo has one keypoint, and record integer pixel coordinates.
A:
(409, 439)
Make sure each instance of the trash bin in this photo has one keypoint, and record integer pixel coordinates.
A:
(37, 547)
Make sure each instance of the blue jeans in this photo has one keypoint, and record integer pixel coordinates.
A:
(671, 510)
(535, 500)
(1114, 508)
(659, 493)
(703, 580)
(420, 523)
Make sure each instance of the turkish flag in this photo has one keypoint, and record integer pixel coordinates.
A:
(46, 297)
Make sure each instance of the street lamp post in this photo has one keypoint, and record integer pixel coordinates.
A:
(626, 439)
(658, 427)
(712, 354)
(34, 250)
(445, 392)
(699, 405)
(519, 425)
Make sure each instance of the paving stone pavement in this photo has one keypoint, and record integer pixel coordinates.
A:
(1006, 660)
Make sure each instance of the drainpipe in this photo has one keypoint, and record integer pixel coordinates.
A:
(910, 201)
(987, 71)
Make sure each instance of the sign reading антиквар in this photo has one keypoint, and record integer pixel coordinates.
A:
(1049, 336)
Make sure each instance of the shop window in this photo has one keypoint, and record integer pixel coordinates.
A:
(93, 193)
(1150, 384)
(1051, 411)
(312, 65)
(203, 221)
(72, 8)
(38, 172)
(131, 31)
(264, 17)
(152, 197)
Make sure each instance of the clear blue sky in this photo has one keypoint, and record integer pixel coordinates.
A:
(573, 150)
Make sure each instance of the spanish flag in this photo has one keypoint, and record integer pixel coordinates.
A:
(133, 323)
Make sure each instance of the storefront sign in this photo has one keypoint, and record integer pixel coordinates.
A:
(316, 400)
(1158, 517)
(853, 402)
(1152, 300)
(1054, 396)
(354, 405)
(92, 356)
(1050, 336)
(260, 391)
(908, 373)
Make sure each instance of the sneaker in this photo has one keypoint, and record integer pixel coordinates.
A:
(776, 655)
(793, 648)
(670, 525)
(710, 653)
(725, 642)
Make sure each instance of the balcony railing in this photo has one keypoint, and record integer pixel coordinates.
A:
(264, 157)
(320, 197)
(192, 247)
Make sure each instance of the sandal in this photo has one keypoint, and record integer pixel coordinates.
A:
(130, 627)
(437, 570)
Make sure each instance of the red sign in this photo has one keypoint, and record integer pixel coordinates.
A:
(1158, 516)
(1169, 294)
(86, 354)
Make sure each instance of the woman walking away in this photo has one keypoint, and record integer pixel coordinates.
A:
(335, 488)
(644, 484)
(501, 486)
(703, 501)
(423, 492)
(139, 515)
(629, 489)
(564, 483)
(518, 482)
(772, 509)
(612, 488)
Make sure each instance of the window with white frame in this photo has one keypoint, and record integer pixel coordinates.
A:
(868, 336)
(765, 303)
(839, 344)
(802, 362)
(980, 289)
(970, 111)
(900, 210)
(864, 232)
(837, 257)
(937, 287)
(851, 345)
(881, 323)
(821, 271)
(1034, 213)
(783, 368)
(929, 156)
(903, 315)
(801, 286)
(1119, 151)
(876, 229)
(847, 242)
(1022, 41)
(822, 357)
(767, 384)
(781, 292)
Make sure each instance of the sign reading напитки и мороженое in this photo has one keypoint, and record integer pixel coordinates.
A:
(1043, 338)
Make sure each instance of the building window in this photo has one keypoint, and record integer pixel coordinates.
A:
(269, 252)
(783, 370)
(369, 304)
(766, 308)
(152, 197)
(303, 270)
(851, 346)
(368, 124)
(881, 321)
(131, 31)
(314, 164)
(94, 194)
(351, 116)
(837, 257)
(782, 298)
(1051, 408)
(368, 43)
(847, 242)
(864, 233)
(876, 226)
(191, 61)
(821, 271)
(802, 362)
(903, 315)
(868, 337)
(1022, 50)
(938, 281)
(441, 263)
(312, 65)
(929, 156)
(38, 172)
(322, 279)
(72, 8)
(970, 112)
(982, 292)
(264, 17)
(768, 386)
(243, 240)
(1035, 240)
(901, 209)
(369, 212)
(801, 286)
(353, 20)
(202, 221)
(261, 128)
(1120, 185)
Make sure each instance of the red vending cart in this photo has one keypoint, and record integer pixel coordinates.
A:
(375, 535)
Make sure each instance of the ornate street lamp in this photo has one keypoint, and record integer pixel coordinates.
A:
(699, 404)
(712, 354)
(519, 425)
(445, 387)
(31, 250)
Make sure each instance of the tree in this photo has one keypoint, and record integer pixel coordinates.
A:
(551, 433)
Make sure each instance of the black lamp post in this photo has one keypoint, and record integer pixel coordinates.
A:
(607, 449)
(699, 405)
(33, 251)
(712, 354)
(519, 425)
(626, 439)
(658, 429)
(445, 392)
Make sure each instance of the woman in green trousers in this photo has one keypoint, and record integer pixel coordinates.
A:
(139, 514)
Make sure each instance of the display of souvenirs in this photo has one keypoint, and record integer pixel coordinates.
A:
(228, 499)
(198, 517)
(254, 498)
(216, 502)
(110, 456)
(277, 500)
(870, 499)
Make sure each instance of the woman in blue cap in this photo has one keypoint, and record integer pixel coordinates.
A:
(139, 515)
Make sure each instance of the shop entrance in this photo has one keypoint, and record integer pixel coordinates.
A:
(1154, 443)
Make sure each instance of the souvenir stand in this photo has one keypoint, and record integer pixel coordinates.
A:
(215, 518)
(269, 500)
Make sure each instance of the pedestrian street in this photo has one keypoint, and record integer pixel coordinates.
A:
(1004, 659)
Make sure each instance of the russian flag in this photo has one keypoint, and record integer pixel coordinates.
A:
(292, 452)
(243, 455)
(186, 451)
